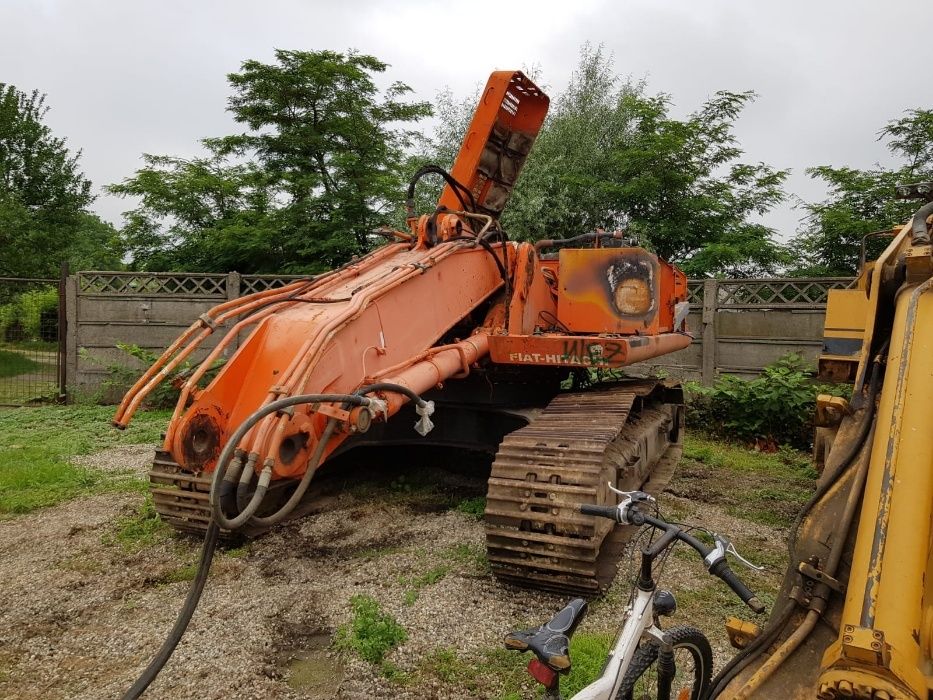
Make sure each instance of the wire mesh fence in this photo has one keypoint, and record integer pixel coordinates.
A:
(30, 341)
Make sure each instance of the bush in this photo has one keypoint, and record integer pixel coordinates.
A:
(32, 315)
(773, 409)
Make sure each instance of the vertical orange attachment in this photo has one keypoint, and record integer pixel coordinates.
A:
(504, 127)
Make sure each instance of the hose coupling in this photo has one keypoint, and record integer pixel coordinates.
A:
(378, 407)
(424, 425)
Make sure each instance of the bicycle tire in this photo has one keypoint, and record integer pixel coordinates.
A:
(684, 637)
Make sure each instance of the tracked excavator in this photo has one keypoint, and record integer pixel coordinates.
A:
(854, 616)
(457, 328)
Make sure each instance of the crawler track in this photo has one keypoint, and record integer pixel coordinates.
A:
(626, 435)
(182, 499)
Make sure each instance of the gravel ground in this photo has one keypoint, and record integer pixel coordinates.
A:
(84, 612)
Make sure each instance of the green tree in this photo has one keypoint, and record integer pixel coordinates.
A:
(43, 196)
(863, 201)
(318, 166)
(610, 156)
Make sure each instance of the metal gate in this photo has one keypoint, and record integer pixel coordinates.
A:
(31, 341)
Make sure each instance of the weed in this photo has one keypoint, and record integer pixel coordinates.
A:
(371, 633)
(82, 564)
(493, 673)
(474, 507)
(776, 407)
(139, 530)
(428, 578)
(187, 572)
(394, 674)
(472, 555)
(715, 453)
(237, 552)
(378, 552)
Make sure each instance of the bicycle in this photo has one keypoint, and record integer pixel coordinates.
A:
(642, 643)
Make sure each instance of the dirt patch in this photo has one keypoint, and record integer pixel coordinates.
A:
(85, 613)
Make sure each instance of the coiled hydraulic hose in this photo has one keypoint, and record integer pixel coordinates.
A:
(222, 487)
(193, 597)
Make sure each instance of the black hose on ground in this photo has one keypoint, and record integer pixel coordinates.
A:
(184, 617)
(193, 597)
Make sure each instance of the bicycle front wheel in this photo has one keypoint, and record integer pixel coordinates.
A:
(693, 667)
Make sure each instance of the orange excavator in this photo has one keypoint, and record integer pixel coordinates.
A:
(468, 334)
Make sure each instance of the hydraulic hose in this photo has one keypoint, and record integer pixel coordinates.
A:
(918, 225)
(221, 488)
(818, 605)
(209, 546)
(299, 492)
(458, 188)
(184, 617)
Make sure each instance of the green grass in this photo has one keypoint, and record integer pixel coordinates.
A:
(767, 488)
(36, 444)
(141, 529)
(784, 462)
(13, 364)
(492, 673)
(32, 345)
(470, 555)
(186, 572)
(474, 507)
(428, 578)
(588, 651)
(371, 633)
(373, 553)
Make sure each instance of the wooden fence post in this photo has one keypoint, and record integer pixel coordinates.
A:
(710, 299)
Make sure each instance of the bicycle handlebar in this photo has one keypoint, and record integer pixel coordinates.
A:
(610, 512)
(721, 570)
(715, 559)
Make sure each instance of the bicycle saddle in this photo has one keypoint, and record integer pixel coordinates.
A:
(551, 641)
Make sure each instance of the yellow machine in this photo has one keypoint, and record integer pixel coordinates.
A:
(854, 618)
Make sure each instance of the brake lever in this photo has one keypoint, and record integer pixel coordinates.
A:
(726, 546)
(629, 500)
(633, 496)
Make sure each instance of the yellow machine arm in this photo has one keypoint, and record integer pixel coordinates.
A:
(854, 618)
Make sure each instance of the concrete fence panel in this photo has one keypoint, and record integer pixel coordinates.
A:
(739, 326)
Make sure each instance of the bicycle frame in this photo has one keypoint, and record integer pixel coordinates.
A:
(640, 623)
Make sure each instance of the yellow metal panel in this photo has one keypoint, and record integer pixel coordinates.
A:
(846, 310)
(895, 523)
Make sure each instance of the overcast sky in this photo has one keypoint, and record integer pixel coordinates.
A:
(126, 77)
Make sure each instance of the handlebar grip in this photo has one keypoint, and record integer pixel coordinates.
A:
(611, 512)
(721, 569)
